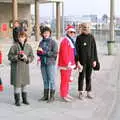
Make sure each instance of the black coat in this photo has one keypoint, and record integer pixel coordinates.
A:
(86, 49)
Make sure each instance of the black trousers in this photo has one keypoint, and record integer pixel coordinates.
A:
(86, 73)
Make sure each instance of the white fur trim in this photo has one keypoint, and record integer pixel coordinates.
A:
(71, 44)
(71, 29)
(66, 68)
(62, 68)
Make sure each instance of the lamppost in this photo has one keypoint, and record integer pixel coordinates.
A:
(111, 42)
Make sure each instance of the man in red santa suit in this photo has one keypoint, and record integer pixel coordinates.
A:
(66, 61)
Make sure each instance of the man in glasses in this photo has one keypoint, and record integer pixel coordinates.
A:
(66, 61)
(87, 57)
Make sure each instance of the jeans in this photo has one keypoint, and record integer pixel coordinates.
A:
(48, 75)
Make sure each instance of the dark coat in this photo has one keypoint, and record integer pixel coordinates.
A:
(86, 49)
(19, 69)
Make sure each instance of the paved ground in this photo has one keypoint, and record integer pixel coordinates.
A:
(100, 108)
(116, 111)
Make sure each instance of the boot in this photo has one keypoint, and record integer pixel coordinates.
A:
(24, 97)
(51, 98)
(46, 94)
(17, 99)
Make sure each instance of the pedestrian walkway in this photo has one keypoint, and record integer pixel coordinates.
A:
(99, 108)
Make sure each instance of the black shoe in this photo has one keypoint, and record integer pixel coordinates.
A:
(52, 98)
(46, 95)
(24, 97)
(17, 99)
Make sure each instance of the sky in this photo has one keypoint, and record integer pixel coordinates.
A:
(81, 7)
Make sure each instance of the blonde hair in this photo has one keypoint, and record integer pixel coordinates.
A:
(85, 27)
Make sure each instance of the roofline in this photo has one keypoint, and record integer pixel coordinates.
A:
(33, 1)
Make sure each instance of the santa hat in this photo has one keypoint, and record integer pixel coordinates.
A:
(70, 28)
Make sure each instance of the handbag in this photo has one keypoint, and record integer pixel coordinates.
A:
(97, 67)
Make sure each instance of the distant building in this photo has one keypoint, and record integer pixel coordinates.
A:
(89, 18)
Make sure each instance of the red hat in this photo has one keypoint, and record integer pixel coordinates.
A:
(70, 28)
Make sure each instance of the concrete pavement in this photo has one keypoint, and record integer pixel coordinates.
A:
(104, 88)
(116, 110)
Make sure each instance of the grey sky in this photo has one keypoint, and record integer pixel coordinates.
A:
(80, 7)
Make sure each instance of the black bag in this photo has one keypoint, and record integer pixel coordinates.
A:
(97, 67)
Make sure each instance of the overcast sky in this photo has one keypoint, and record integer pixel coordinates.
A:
(80, 7)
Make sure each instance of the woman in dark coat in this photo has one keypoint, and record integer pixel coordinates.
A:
(87, 57)
(20, 55)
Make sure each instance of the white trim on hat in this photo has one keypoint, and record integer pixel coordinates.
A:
(71, 29)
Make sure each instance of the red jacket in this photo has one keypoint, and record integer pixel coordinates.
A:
(66, 53)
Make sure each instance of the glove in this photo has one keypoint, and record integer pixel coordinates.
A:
(70, 66)
(80, 67)
(22, 57)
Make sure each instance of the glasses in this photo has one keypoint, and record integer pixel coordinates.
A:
(85, 27)
(72, 32)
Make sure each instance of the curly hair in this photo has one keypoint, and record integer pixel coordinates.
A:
(44, 29)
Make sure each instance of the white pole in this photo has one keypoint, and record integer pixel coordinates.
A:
(112, 20)
(111, 42)
(37, 21)
(53, 16)
(62, 18)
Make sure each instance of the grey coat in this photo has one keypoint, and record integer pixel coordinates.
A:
(19, 69)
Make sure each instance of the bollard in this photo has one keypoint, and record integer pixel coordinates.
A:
(111, 47)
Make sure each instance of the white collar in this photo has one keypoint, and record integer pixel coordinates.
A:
(72, 45)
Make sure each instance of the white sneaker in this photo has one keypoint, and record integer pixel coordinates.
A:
(81, 95)
(69, 97)
(90, 95)
(66, 99)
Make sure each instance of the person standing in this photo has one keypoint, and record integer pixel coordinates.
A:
(87, 57)
(66, 61)
(1, 85)
(47, 51)
(20, 55)
(16, 30)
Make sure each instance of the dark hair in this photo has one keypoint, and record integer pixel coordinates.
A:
(44, 29)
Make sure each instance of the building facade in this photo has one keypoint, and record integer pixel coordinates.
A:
(11, 10)
(6, 17)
